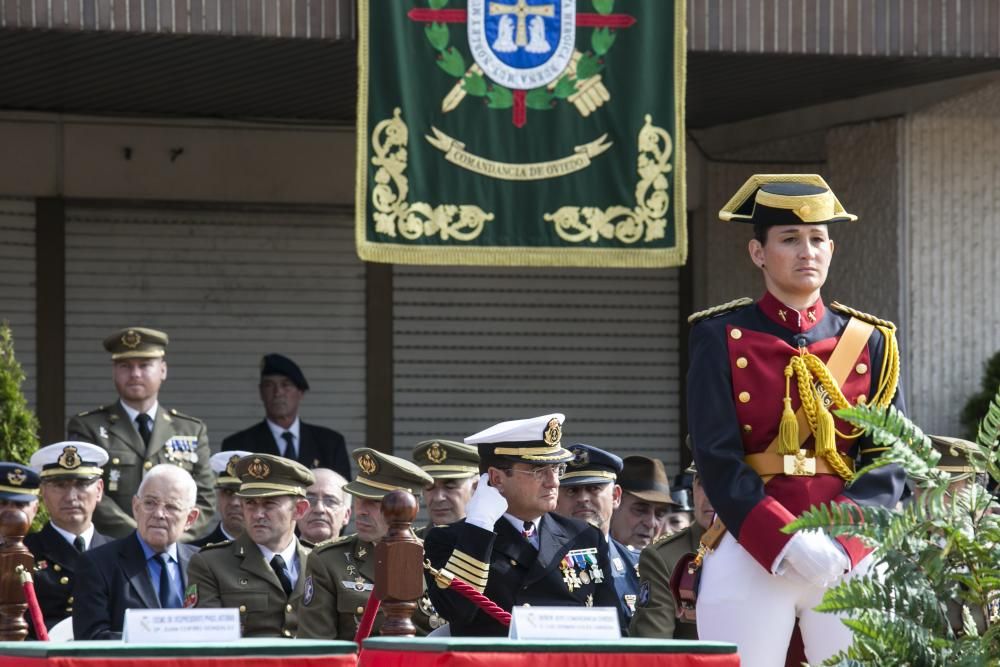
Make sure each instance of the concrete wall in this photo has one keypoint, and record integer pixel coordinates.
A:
(952, 259)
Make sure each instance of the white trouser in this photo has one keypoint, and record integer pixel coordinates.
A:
(741, 602)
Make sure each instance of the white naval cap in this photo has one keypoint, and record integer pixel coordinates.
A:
(536, 440)
(69, 459)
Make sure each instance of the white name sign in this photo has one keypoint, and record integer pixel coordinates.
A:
(156, 626)
(564, 623)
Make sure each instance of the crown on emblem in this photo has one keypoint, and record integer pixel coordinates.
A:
(436, 453)
(231, 465)
(367, 464)
(17, 477)
(69, 459)
(131, 339)
(258, 469)
(553, 433)
(581, 457)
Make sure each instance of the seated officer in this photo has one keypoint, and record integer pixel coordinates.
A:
(646, 500)
(329, 513)
(71, 487)
(455, 469)
(511, 546)
(589, 492)
(656, 614)
(19, 489)
(260, 573)
(228, 504)
(341, 572)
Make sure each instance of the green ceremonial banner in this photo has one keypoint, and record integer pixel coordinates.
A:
(521, 132)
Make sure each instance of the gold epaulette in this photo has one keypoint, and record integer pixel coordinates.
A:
(216, 545)
(91, 412)
(864, 317)
(332, 542)
(721, 308)
(666, 538)
(174, 413)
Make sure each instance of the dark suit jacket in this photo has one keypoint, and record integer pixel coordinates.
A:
(518, 573)
(319, 447)
(111, 579)
(55, 563)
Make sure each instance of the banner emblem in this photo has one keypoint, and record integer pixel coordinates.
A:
(522, 44)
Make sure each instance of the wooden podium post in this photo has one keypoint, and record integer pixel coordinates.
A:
(13, 527)
(399, 571)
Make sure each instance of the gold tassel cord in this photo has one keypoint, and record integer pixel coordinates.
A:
(788, 428)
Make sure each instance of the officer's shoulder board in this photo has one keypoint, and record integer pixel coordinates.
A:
(216, 545)
(864, 317)
(181, 415)
(742, 302)
(332, 542)
(87, 413)
(669, 538)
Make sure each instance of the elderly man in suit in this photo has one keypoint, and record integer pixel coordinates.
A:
(71, 487)
(144, 570)
(261, 572)
(139, 433)
(282, 433)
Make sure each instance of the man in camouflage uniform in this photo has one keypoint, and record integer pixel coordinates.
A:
(341, 573)
(138, 433)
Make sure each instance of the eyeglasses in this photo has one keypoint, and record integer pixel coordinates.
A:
(541, 472)
(331, 502)
(170, 507)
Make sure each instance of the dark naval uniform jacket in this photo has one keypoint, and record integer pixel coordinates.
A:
(215, 537)
(339, 580)
(735, 389)
(55, 571)
(112, 578)
(318, 446)
(570, 568)
(625, 577)
(656, 612)
(235, 574)
(176, 438)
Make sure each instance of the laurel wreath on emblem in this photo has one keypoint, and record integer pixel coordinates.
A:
(367, 464)
(69, 459)
(553, 433)
(470, 81)
(436, 453)
(581, 457)
(131, 339)
(258, 469)
(231, 466)
(17, 477)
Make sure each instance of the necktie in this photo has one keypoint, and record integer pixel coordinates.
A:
(529, 530)
(281, 570)
(145, 426)
(289, 439)
(79, 543)
(168, 597)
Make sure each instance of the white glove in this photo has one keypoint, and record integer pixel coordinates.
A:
(486, 505)
(816, 558)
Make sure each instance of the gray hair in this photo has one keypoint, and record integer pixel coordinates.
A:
(174, 474)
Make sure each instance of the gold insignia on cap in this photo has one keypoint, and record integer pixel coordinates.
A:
(581, 457)
(436, 453)
(553, 433)
(69, 459)
(231, 466)
(131, 339)
(16, 477)
(258, 469)
(367, 464)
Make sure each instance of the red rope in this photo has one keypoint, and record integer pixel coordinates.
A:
(33, 608)
(367, 619)
(481, 601)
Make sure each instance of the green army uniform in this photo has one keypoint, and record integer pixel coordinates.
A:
(176, 438)
(341, 572)
(342, 576)
(656, 613)
(235, 574)
(238, 573)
